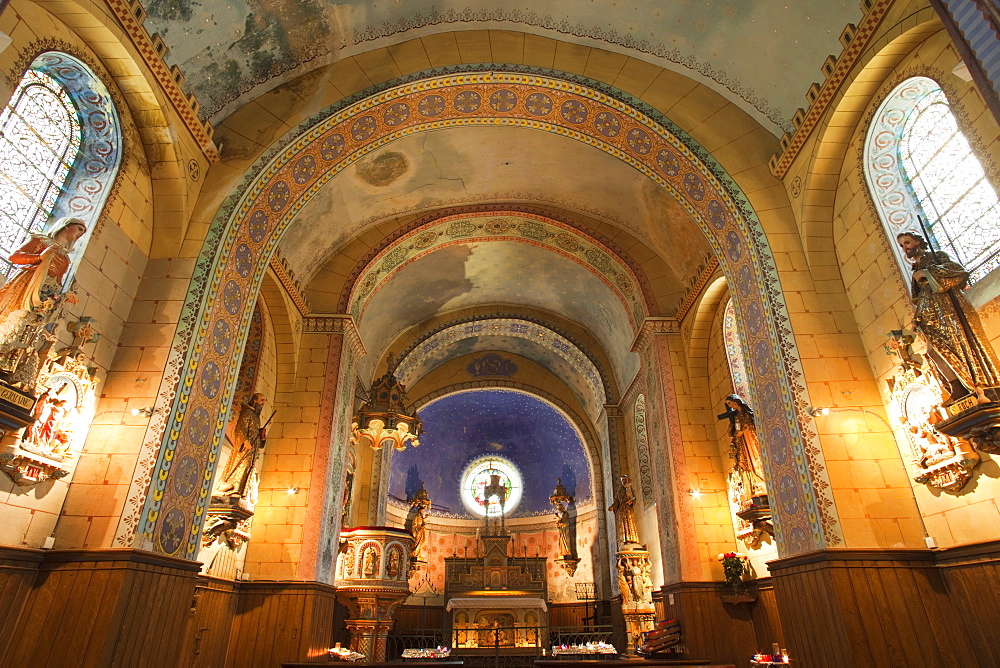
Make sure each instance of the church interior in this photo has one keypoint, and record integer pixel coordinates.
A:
(357, 329)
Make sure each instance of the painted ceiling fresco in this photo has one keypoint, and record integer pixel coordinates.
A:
(498, 273)
(761, 55)
(472, 165)
(528, 432)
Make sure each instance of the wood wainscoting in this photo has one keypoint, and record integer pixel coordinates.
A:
(18, 571)
(111, 607)
(874, 608)
(277, 622)
(972, 577)
(209, 623)
(724, 632)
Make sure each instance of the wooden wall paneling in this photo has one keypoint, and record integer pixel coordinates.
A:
(84, 590)
(953, 636)
(902, 586)
(55, 593)
(236, 640)
(712, 629)
(418, 617)
(181, 599)
(291, 623)
(818, 590)
(247, 626)
(978, 606)
(764, 615)
(796, 593)
(320, 638)
(210, 623)
(568, 614)
(18, 572)
(277, 622)
(268, 604)
(869, 608)
(970, 574)
(145, 607)
(854, 591)
(104, 607)
(150, 610)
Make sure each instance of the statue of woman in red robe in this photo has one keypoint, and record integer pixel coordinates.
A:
(42, 263)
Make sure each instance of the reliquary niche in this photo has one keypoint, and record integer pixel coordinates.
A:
(938, 460)
(48, 448)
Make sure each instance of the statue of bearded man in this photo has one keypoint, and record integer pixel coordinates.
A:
(248, 441)
(963, 358)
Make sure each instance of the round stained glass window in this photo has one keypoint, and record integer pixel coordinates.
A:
(476, 480)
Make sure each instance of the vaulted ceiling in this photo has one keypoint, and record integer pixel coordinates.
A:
(471, 218)
(762, 56)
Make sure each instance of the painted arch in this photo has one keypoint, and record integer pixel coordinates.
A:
(202, 366)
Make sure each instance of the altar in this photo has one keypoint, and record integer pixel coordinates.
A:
(497, 599)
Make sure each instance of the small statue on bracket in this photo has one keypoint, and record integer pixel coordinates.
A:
(248, 439)
(748, 488)
(744, 446)
(939, 460)
(416, 524)
(561, 501)
(624, 509)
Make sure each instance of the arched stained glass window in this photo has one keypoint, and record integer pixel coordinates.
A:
(60, 150)
(40, 131)
(734, 352)
(918, 163)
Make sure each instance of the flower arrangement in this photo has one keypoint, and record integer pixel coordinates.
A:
(735, 565)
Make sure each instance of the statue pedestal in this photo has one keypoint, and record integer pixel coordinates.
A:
(569, 563)
(226, 521)
(637, 593)
(636, 621)
(372, 572)
(979, 424)
(756, 513)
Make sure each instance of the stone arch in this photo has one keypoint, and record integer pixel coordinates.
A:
(285, 327)
(621, 274)
(515, 327)
(849, 107)
(701, 319)
(247, 228)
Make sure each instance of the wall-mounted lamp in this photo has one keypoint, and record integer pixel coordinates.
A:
(146, 411)
(818, 411)
(695, 493)
(293, 490)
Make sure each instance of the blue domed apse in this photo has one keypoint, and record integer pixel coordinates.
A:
(520, 428)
